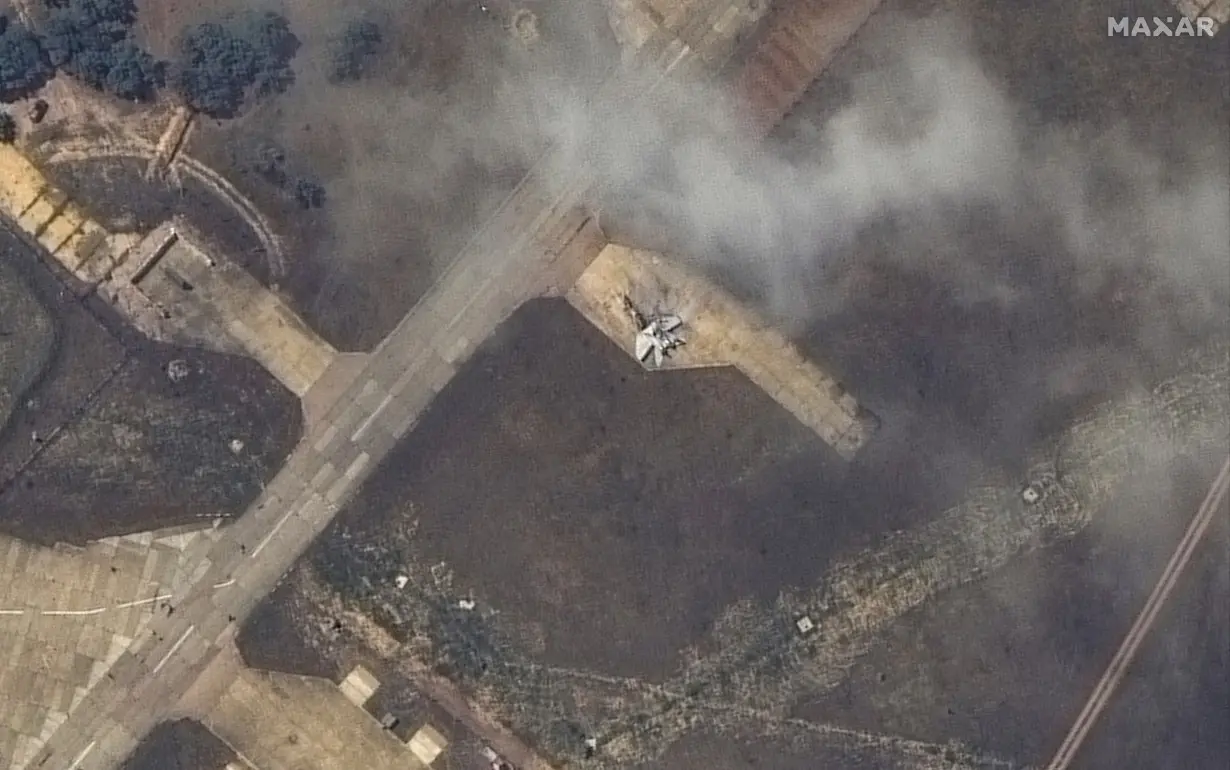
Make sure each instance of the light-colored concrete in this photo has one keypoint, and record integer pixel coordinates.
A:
(226, 309)
(720, 331)
(174, 289)
(359, 685)
(173, 138)
(66, 616)
(341, 374)
(427, 744)
(284, 722)
(82, 245)
(1217, 10)
(214, 300)
(708, 30)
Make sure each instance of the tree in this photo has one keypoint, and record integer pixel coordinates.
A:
(353, 51)
(134, 74)
(8, 128)
(24, 67)
(309, 194)
(275, 47)
(219, 65)
(92, 41)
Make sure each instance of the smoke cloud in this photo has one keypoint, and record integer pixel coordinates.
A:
(927, 149)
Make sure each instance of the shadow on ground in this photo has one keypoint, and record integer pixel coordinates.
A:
(184, 744)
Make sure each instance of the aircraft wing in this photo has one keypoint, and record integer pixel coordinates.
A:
(669, 323)
(644, 345)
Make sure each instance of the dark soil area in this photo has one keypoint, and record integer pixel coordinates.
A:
(1172, 708)
(1007, 663)
(149, 450)
(802, 749)
(86, 353)
(27, 337)
(1056, 62)
(116, 193)
(283, 634)
(184, 744)
(614, 510)
(413, 157)
(602, 518)
(106, 444)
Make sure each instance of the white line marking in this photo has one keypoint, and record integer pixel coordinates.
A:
(174, 649)
(81, 757)
(225, 583)
(1131, 643)
(261, 546)
(139, 602)
(95, 611)
(12, 612)
(384, 404)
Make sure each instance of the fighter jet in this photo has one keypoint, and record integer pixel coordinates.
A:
(657, 335)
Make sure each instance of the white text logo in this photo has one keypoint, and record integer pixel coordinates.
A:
(1201, 26)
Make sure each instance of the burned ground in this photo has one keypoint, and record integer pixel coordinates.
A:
(804, 748)
(966, 390)
(1173, 707)
(412, 157)
(150, 450)
(1006, 664)
(610, 531)
(289, 633)
(116, 193)
(105, 443)
(27, 338)
(457, 533)
(184, 744)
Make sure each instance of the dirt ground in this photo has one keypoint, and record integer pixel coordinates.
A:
(617, 527)
(116, 194)
(184, 744)
(1173, 706)
(27, 338)
(412, 159)
(105, 443)
(150, 451)
(1007, 663)
(287, 633)
(804, 749)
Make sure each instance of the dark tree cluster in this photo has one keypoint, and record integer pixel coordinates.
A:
(221, 65)
(268, 161)
(92, 41)
(8, 128)
(24, 67)
(354, 51)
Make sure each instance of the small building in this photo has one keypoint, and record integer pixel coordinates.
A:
(359, 685)
(427, 744)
